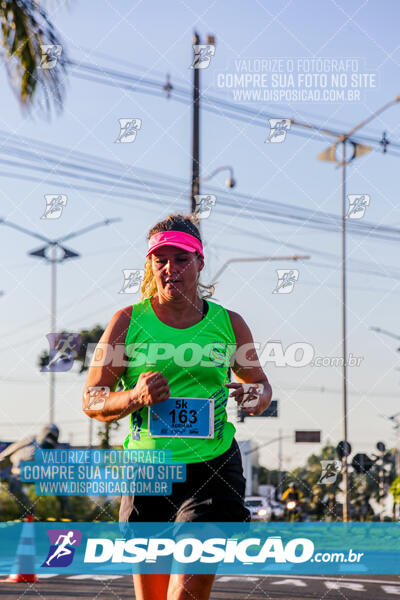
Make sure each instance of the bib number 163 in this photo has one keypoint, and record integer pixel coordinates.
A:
(182, 414)
(182, 417)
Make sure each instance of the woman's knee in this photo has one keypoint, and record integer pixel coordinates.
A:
(149, 587)
(190, 587)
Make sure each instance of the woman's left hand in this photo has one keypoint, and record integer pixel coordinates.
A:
(251, 391)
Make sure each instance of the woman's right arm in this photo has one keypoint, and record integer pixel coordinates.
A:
(107, 367)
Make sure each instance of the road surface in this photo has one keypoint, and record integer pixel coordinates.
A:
(254, 587)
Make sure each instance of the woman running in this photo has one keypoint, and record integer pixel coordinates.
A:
(174, 313)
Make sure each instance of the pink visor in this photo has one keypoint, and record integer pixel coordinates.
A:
(175, 238)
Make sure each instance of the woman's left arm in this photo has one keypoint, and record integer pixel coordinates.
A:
(246, 367)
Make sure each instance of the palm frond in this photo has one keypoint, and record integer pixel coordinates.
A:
(34, 56)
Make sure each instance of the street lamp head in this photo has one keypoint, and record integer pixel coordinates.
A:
(230, 182)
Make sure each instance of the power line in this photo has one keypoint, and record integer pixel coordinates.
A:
(214, 104)
(223, 94)
(277, 211)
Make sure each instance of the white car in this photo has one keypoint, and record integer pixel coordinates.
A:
(278, 509)
(259, 508)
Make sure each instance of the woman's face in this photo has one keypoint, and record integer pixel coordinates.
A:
(176, 271)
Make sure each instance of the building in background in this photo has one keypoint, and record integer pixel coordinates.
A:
(250, 465)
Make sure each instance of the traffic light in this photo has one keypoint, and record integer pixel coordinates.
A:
(362, 463)
(343, 449)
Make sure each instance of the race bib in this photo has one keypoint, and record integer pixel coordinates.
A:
(182, 417)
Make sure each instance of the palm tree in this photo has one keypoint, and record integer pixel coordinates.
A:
(34, 58)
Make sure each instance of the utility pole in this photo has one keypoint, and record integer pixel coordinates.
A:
(90, 444)
(280, 464)
(381, 487)
(196, 66)
(196, 129)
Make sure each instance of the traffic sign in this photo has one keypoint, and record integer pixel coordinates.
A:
(271, 411)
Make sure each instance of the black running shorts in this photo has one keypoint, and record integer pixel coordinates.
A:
(213, 491)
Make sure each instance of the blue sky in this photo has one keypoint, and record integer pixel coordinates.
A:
(152, 39)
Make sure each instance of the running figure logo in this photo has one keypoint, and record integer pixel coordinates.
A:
(251, 394)
(278, 129)
(357, 205)
(202, 55)
(286, 280)
(330, 471)
(204, 204)
(128, 130)
(132, 281)
(97, 397)
(61, 552)
(63, 347)
(54, 206)
(50, 55)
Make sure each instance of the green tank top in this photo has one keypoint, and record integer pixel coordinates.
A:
(199, 369)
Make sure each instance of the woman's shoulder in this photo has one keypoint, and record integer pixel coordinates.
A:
(125, 314)
(122, 318)
(234, 316)
(119, 323)
(239, 325)
(122, 314)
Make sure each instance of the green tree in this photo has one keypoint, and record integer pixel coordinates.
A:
(105, 432)
(10, 509)
(395, 490)
(308, 477)
(25, 28)
(88, 337)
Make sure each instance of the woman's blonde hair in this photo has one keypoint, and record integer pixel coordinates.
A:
(174, 222)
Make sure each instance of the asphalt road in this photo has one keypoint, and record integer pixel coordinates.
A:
(254, 587)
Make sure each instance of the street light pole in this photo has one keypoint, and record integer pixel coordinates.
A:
(344, 339)
(53, 326)
(329, 155)
(49, 252)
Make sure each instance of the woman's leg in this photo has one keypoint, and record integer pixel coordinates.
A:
(151, 587)
(190, 587)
